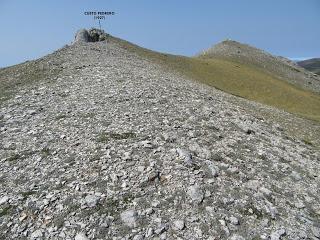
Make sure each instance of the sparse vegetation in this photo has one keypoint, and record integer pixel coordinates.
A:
(45, 151)
(127, 198)
(251, 210)
(106, 137)
(13, 158)
(27, 194)
(5, 211)
(24, 74)
(307, 141)
(241, 80)
(61, 116)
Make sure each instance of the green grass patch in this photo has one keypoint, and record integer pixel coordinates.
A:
(45, 151)
(5, 211)
(13, 158)
(307, 141)
(26, 194)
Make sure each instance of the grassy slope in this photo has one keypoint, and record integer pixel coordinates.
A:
(312, 65)
(23, 74)
(245, 81)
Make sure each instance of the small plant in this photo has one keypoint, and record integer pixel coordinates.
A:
(73, 207)
(127, 198)
(13, 158)
(106, 137)
(27, 194)
(45, 151)
(307, 141)
(252, 210)
(61, 116)
(5, 211)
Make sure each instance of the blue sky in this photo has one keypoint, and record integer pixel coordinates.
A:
(34, 28)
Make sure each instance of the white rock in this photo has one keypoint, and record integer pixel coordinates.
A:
(234, 220)
(253, 185)
(160, 230)
(155, 203)
(299, 204)
(214, 170)
(4, 200)
(81, 236)
(185, 156)
(265, 191)
(296, 176)
(149, 211)
(138, 237)
(129, 217)
(127, 156)
(204, 153)
(316, 231)
(36, 234)
(149, 232)
(277, 234)
(237, 237)
(178, 225)
(196, 194)
(163, 236)
(91, 200)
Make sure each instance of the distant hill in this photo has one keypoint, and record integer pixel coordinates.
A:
(242, 78)
(313, 65)
(281, 67)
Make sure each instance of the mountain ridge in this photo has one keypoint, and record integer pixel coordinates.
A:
(313, 65)
(239, 79)
(280, 66)
(118, 146)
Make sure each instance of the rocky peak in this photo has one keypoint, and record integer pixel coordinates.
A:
(91, 35)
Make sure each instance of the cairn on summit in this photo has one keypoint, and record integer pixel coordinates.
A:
(93, 35)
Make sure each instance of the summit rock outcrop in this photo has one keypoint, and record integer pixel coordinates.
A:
(93, 35)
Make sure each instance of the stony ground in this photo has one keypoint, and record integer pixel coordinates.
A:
(117, 148)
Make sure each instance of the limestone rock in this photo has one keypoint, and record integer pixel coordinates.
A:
(81, 236)
(178, 225)
(130, 218)
(196, 194)
(91, 200)
(82, 36)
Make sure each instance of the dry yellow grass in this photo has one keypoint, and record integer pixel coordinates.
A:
(242, 80)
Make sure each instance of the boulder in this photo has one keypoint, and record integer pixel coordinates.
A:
(81, 36)
(93, 35)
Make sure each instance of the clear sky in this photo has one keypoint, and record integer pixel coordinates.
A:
(34, 28)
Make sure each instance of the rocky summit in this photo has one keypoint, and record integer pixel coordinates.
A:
(107, 144)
